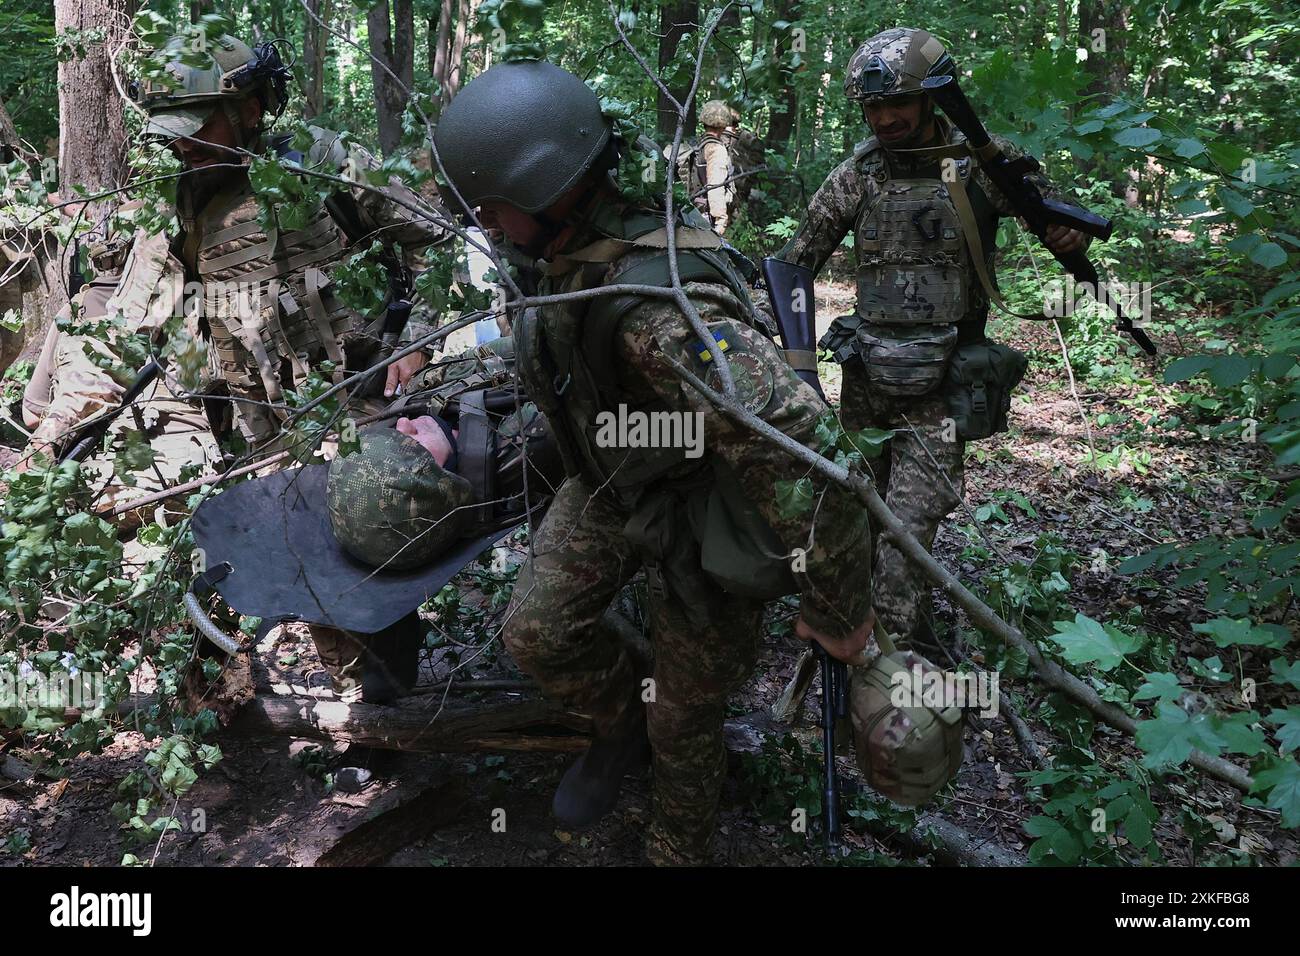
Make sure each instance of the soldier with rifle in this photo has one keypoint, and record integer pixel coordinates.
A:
(923, 196)
(705, 527)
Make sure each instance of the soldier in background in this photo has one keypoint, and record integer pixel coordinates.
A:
(914, 354)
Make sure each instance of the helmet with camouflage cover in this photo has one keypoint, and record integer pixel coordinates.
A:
(523, 134)
(907, 753)
(199, 78)
(715, 114)
(391, 505)
(894, 63)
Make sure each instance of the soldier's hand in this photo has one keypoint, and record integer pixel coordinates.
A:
(851, 649)
(1065, 239)
(400, 372)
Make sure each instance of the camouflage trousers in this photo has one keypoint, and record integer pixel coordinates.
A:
(920, 476)
(554, 631)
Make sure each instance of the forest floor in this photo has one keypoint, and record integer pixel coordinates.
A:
(261, 805)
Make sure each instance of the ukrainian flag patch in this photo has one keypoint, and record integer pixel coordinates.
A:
(705, 354)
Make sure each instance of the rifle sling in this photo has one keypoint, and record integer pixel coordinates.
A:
(970, 228)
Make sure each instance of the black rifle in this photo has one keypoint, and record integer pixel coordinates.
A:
(86, 439)
(1011, 176)
(789, 285)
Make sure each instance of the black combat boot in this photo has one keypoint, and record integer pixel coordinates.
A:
(590, 787)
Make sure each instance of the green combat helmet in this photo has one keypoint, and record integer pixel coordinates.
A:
(906, 753)
(715, 114)
(391, 505)
(894, 63)
(523, 134)
(227, 71)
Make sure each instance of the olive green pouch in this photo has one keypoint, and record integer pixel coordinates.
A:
(981, 377)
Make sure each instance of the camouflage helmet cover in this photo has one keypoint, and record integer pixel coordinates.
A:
(906, 753)
(199, 77)
(521, 133)
(391, 505)
(894, 62)
(715, 113)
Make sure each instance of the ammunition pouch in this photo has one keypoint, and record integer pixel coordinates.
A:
(981, 377)
(905, 360)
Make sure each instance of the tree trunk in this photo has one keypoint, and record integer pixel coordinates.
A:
(8, 135)
(455, 68)
(440, 47)
(676, 19)
(1108, 66)
(314, 42)
(92, 138)
(783, 113)
(395, 50)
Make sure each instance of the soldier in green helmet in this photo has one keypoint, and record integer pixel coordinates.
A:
(214, 118)
(924, 218)
(701, 521)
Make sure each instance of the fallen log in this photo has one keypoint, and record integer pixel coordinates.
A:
(410, 821)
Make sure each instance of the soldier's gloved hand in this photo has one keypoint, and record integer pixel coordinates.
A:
(1065, 239)
(400, 372)
(858, 649)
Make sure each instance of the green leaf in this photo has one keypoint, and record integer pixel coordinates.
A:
(1137, 827)
(794, 498)
(1089, 126)
(1159, 684)
(1064, 845)
(1239, 734)
(1211, 669)
(1234, 202)
(1229, 632)
(1173, 735)
(1229, 370)
(1269, 255)
(1282, 781)
(1187, 148)
(1288, 724)
(1085, 641)
(1136, 137)
(1286, 672)
(1179, 370)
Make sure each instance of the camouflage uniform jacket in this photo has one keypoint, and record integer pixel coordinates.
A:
(651, 341)
(855, 185)
(268, 296)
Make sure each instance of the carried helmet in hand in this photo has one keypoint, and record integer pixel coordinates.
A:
(907, 753)
(894, 63)
(523, 134)
(198, 81)
(391, 505)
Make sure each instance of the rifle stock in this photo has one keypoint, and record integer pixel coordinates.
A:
(1011, 176)
(84, 440)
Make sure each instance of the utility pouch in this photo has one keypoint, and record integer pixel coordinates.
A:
(905, 360)
(981, 377)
